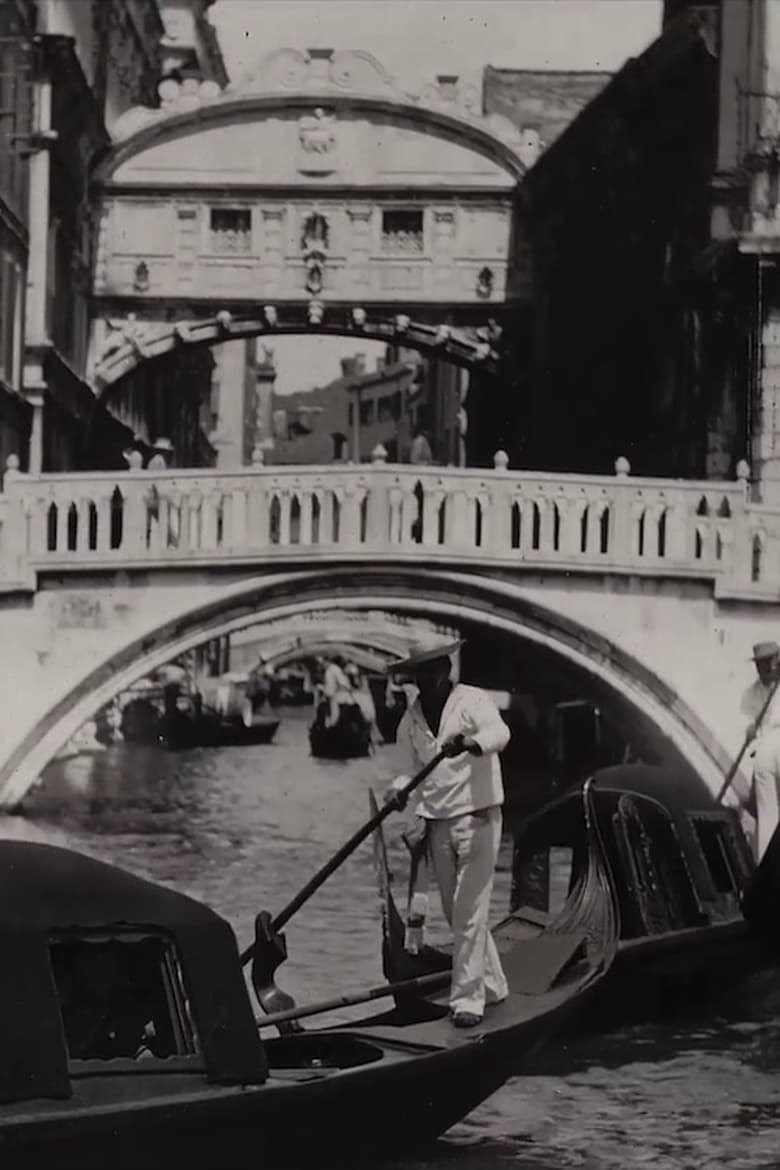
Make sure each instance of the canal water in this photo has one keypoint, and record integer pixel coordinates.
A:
(244, 828)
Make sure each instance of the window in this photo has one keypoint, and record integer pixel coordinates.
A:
(10, 321)
(657, 894)
(716, 841)
(402, 232)
(231, 230)
(351, 413)
(367, 412)
(121, 996)
(385, 409)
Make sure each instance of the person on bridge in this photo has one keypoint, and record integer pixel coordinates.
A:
(459, 807)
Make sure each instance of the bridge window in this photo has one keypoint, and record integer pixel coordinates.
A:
(402, 231)
(231, 230)
(121, 995)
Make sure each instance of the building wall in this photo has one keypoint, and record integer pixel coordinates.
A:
(16, 96)
(349, 417)
(639, 348)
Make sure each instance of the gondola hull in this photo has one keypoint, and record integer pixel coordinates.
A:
(347, 739)
(683, 942)
(137, 1122)
(206, 732)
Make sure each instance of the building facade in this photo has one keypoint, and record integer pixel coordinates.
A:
(655, 223)
(17, 22)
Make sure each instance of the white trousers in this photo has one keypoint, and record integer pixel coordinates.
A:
(766, 780)
(463, 852)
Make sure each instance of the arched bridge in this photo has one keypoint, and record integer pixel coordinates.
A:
(655, 588)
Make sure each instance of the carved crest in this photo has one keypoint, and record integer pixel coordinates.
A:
(319, 145)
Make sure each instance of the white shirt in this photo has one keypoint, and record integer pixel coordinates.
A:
(465, 783)
(336, 681)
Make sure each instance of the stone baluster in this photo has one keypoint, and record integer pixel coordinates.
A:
(104, 517)
(456, 518)
(349, 529)
(212, 500)
(258, 509)
(596, 506)
(378, 529)
(134, 496)
(82, 524)
(21, 523)
(285, 508)
(305, 535)
(677, 510)
(623, 535)
(571, 512)
(61, 538)
(396, 509)
(741, 562)
(432, 501)
(191, 533)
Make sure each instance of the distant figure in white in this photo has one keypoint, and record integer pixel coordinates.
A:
(337, 689)
(766, 737)
(362, 697)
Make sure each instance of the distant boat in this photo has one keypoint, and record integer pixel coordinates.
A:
(180, 731)
(349, 738)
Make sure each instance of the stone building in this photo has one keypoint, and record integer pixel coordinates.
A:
(654, 226)
(70, 69)
(16, 25)
(349, 417)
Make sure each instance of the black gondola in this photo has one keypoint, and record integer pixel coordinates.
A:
(180, 731)
(678, 864)
(348, 738)
(129, 1039)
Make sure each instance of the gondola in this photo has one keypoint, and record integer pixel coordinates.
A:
(678, 865)
(347, 739)
(180, 731)
(129, 1038)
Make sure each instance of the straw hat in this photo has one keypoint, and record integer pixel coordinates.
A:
(425, 654)
(764, 650)
(162, 444)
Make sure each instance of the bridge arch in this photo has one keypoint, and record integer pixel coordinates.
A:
(452, 597)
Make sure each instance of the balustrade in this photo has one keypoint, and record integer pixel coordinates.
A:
(572, 522)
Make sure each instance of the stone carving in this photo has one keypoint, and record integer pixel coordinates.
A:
(331, 76)
(314, 243)
(484, 287)
(319, 147)
(316, 312)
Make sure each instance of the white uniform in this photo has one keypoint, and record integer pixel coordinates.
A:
(766, 776)
(461, 800)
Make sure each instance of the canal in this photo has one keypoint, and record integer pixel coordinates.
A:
(244, 828)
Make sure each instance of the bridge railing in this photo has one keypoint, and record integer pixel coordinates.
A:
(573, 522)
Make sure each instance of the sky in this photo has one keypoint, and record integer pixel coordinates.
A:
(414, 40)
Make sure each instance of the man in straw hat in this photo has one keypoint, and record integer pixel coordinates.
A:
(766, 736)
(460, 805)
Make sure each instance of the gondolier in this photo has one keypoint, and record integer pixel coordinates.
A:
(763, 728)
(460, 805)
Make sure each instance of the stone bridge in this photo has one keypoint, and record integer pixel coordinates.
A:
(655, 588)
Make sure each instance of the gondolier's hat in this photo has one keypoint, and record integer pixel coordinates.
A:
(425, 654)
(764, 650)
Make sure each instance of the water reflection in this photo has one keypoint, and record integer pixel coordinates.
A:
(244, 828)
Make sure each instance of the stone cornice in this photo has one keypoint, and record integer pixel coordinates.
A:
(289, 79)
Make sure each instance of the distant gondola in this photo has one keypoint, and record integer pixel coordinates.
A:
(181, 731)
(348, 738)
(678, 865)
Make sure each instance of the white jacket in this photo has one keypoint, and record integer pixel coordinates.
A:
(465, 783)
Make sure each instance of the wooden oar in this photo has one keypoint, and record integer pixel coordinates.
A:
(269, 949)
(382, 991)
(748, 740)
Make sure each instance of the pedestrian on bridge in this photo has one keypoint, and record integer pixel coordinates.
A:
(459, 812)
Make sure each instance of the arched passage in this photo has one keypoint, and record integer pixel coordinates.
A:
(453, 598)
